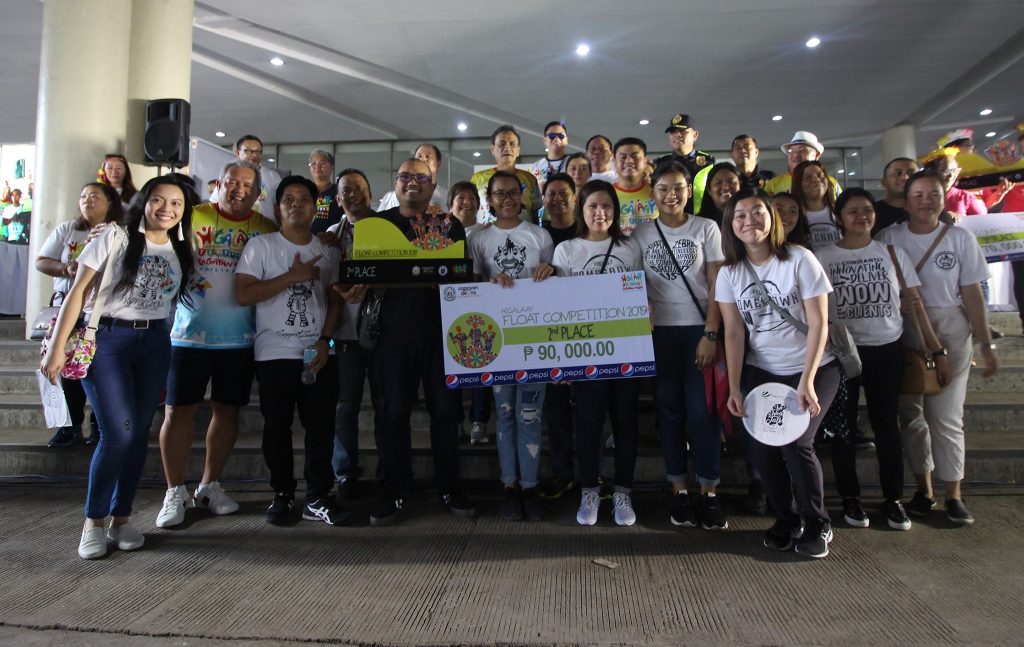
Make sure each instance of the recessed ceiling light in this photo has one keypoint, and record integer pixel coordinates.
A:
(853, 154)
(986, 112)
(644, 122)
(476, 154)
(220, 134)
(777, 118)
(277, 60)
(462, 126)
(852, 173)
(813, 42)
(990, 133)
(582, 49)
(840, 171)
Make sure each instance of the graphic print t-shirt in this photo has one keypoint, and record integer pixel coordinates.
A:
(156, 283)
(216, 320)
(635, 207)
(823, 228)
(65, 244)
(694, 244)
(775, 345)
(515, 252)
(866, 290)
(956, 261)
(527, 184)
(293, 318)
(580, 257)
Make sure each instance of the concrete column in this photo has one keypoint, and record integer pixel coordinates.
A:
(81, 113)
(159, 67)
(898, 141)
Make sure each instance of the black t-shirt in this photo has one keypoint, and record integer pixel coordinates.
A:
(560, 235)
(757, 179)
(886, 214)
(328, 211)
(413, 315)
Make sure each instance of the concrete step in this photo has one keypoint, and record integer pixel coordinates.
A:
(12, 329)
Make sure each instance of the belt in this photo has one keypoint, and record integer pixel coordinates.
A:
(137, 324)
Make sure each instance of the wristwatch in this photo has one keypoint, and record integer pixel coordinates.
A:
(942, 352)
(712, 335)
(989, 346)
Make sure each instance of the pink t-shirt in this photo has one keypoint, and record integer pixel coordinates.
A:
(964, 203)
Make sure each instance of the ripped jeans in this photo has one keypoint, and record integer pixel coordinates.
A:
(519, 408)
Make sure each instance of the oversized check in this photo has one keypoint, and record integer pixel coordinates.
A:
(561, 329)
(1001, 235)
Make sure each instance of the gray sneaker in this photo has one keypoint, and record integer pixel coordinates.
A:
(478, 434)
(958, 513)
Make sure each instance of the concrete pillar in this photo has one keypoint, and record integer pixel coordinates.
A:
(81, 113)
(898, 141)
(159, 67)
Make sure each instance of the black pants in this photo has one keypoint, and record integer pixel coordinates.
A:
(281, 392)
(595, 399)
(74, 395)
(396, 371)
(881, 378)
(558, 412)
(1018, 286)
(794, 469)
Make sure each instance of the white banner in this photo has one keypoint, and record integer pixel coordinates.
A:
(206, 161)
(1001, 235)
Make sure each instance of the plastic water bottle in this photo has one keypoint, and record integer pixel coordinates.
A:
(308, 374)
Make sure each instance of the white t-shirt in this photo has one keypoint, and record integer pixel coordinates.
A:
(515, 252)
(156, 284)
(543, 168)
(65, 243)
(292, 319)
(349, 311)
(956, 261)
(580, 257)
(866, 290)
(823, 228)
(775, 345)
(609, 176)
(439, 199)
(696, 243)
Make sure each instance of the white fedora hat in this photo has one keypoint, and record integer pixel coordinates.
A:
(806, 138)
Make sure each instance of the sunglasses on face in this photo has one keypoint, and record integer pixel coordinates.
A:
(555, 136)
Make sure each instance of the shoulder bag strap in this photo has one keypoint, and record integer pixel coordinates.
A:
(793, 321)
(912, 313)
(98, 304)
(935, 243)
(604, 264)
(668, 249)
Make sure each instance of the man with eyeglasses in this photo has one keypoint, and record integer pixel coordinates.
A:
(744, 155)
(682, 137)
(803, 147)
(505, 149)
(328, 208)
(250, 149)
(636, 204)
(599, 152)
(555, 140)
(409, 352)
(430, 154)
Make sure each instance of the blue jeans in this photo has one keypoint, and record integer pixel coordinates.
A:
(353, 365)
(123, 385)
(519, 414)
(679, 396)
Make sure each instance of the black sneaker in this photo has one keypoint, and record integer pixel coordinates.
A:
(682, 511)
(920, 505)
(457, 503)
(958, 513)
(711, 515)
(326, 510)
(280, 511)
(854, 514)
(815, 540)
(755, 501)
(66, 437)
(556, 487)
(93, 438)
(862, 441)
(783, 532)
(511, 504)
(348, 488)
(533, 509)
(896, 516)
(387, 509)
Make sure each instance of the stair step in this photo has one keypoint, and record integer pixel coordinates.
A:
(13, 329)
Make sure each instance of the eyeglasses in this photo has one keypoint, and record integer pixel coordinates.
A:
(677, 189)
(554, 136)
(250, 150)
(320, 165)
(504, 195)
(419, 178)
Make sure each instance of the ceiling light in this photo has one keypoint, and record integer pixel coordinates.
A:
(476, 154)
(990, 133)
(462, 126)
(986, 112)
(777, 118)
(220, 134)
(840, 171)
(852, 173)
(271, 159)
(582, 50)
(644, 122)
(853, 154)
(813, 42)
(277, 60)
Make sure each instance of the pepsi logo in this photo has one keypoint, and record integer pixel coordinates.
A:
(451, 381)
(626, 369)
(590, 372)
(555, 374)
(487, 379)
(522, 376)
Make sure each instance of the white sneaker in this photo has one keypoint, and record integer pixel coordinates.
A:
(478, 434)
(176, 499)
(624, 515)
(213, 497)
(126, 536)
(93, 544)
(589, 502)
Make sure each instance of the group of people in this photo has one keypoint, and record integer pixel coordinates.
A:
(15, 214)
(737, 262)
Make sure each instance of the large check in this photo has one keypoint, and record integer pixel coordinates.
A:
(561, 329)
(1001, 235)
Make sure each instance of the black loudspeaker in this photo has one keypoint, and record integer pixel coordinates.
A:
(166, 138)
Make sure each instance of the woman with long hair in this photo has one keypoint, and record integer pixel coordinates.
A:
(115, 171)
(722, 183)
(794, 220)
(98, 205)
(757, 254)
(812, 191)
(601, 248)
(151, 265)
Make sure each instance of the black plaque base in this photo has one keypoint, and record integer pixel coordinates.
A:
(456, 270)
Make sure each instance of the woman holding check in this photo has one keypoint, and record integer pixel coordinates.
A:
(778, 294)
